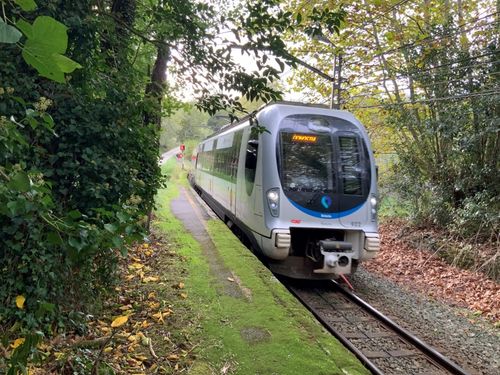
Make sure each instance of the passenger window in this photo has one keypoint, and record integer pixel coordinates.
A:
(351, 168)
(251, 162)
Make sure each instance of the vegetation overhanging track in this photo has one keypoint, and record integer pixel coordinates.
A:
(366, 332)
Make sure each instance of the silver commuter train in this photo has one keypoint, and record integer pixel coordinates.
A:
(303, 191)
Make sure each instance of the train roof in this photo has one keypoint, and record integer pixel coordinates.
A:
(254, 113)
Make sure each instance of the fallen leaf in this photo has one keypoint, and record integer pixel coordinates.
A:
(59, 355)
(145, 341)
(20, 301)
(181, 285)
(159, 316)
(184, 295)
(140, 357)
(108, 349)
(132, 347)
(173, 357)
(154, 305)
(17, 343)
(150, 279)
(126, 307)
(136, 266)
(121, 320)
(133, 362)
(133, 338)
(231, 279)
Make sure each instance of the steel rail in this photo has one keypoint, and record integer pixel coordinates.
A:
(412, 339)
(362, 358)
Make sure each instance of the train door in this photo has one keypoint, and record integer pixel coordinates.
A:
(246, 187)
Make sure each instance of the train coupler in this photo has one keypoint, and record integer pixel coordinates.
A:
(337, 257)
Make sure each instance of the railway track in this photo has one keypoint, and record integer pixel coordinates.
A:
(379, 343)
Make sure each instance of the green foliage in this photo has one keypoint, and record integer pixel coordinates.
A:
(79, 161)
(426, 87)
(22, 354)
(450, 165)
(46, 43)
(8, 33)
(185, 124)
(78, 169)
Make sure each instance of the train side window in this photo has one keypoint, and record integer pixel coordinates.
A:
(351, 165)
(251, 163)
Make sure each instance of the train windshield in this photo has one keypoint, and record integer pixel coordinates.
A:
(324, 164)
(307, 162)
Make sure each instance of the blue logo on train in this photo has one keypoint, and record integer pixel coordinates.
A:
(326, 201)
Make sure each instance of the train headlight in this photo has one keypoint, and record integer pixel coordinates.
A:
(273, 201)
(373, 208)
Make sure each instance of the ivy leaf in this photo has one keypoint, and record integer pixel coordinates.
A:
(26, 5)
(75, 243)
(110, 228)
(20, 182)
(9, 34)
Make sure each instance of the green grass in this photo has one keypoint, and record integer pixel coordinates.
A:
(295, 343)
(392, 207)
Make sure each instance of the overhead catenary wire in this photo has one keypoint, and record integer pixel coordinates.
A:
(409, 75)
(429, 39)
(418, 91)
(425, 40)
(383, 13)
(432, 100)
(346, 65)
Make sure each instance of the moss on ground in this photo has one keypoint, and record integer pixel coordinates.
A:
(268, 331)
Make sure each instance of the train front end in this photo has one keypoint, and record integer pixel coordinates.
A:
(320, 192)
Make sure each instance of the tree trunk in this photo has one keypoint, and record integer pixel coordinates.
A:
(154, 93)
(156, 88)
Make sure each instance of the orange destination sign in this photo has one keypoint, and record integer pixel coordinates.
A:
(304, 138)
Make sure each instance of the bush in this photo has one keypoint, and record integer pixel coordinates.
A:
(78, 171)
(477, 217)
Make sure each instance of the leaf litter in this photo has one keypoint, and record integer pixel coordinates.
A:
(141, 328)
(402, 263)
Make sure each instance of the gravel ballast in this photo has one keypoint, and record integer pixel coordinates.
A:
(472, 342)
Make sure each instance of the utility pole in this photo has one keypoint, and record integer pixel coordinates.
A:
(334, 84)
(335, 100)
(338, 70)
(335, 80)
